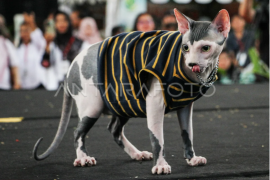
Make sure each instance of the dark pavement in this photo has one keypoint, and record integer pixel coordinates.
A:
(231, 129)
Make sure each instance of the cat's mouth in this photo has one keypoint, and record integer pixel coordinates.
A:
(196, 69)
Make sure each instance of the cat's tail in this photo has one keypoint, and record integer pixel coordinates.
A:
(65, 116)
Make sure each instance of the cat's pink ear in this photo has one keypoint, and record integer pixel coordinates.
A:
(182, 21)
(222, 22)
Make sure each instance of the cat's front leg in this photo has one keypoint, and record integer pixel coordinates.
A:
(185, 121)
(155, 108)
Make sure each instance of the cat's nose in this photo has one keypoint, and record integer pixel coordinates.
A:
(192, 64)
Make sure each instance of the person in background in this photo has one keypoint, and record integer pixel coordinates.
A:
(3, 27)
(260, 19)
(240, 41)
(8, 62)
(76, 17)
(117, 30)
(49, 35)
(49, 30)
(228, 73)
(30, 52)
(88, 31)
(144, 22)
(36, 33)
(61, 51)
(169, 22)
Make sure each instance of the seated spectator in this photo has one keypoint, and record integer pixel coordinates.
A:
(240, 41)
(30, 52)
(8, 61)
(61, 51)
(117, 30)
(169, 22)
(88, 31)
(144, 22)
(228, 73)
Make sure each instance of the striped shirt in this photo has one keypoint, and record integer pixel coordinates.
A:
(126, 60)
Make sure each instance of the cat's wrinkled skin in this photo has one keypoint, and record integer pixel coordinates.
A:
(212, 34)
(82, 74)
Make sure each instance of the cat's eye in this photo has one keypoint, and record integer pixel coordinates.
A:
(206, 48)
(185, 47)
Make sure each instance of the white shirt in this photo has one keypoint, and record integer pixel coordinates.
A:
(30, 56)
(56, 72)
(8, 58)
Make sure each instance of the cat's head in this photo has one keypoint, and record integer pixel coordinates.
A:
(202, 41)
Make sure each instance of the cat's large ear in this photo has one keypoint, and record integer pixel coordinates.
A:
(182, 21)
(222, 22)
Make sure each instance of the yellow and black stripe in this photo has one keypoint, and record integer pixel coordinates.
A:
(126, 60)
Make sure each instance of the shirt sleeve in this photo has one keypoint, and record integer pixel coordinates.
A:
(38, 39)
(12, 54)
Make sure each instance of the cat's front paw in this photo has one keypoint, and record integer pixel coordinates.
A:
(162, 168)
(85, 161)
(197, 161)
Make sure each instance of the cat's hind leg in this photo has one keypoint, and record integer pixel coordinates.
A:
(116, 127)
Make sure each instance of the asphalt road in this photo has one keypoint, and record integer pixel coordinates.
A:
(231, 129)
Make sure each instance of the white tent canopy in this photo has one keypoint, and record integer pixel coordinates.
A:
(188, 1)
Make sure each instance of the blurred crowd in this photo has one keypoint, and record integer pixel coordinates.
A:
(245, 58)
(43, 55)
